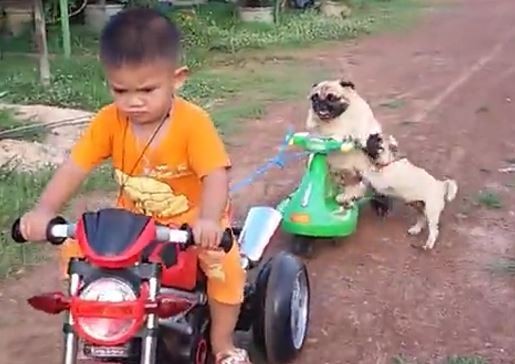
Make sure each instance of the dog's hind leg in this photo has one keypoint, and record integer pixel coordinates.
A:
(381, 204)
(419, 225)
(433, 209)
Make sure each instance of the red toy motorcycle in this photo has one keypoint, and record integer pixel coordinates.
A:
(139, 297)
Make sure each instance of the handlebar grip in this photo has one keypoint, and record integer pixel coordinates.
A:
(227, 240)
(225, 243)
(16, 232)
(17, 236)
(189, 230)
(58, 220)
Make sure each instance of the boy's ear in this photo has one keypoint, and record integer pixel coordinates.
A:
(180, 77)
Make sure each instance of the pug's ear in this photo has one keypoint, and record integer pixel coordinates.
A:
(314, 85)
(349, 84)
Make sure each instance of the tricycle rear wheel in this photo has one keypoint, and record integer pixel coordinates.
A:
(286, 308)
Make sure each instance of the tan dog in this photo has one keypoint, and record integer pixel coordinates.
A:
(339, 112)
(397, 177)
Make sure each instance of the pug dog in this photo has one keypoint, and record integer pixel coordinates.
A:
(395, 176)
(338, 111)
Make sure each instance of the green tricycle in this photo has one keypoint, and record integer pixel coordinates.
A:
(311, 211)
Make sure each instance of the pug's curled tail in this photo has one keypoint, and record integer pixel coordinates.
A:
(451, 189)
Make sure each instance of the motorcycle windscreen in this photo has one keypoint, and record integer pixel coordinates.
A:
(115, 232)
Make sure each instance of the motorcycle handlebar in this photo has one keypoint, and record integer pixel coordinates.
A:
(58, 230)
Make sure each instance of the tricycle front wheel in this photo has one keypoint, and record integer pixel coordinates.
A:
(302, 246)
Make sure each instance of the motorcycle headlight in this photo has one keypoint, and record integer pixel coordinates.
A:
(106, 323)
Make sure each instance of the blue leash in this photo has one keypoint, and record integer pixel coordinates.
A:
(279, 160)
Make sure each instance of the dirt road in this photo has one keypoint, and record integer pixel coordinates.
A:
(446, 90)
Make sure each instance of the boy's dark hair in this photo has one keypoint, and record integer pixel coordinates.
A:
(137, 35)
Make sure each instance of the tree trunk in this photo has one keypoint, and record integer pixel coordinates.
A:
(40, 34)
(65, 27)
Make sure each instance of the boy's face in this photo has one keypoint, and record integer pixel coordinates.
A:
(144, 92)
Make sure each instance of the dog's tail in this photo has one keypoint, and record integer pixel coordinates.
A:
(451, 189)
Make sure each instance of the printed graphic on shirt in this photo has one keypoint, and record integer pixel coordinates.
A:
(151, 196)
(163, 171)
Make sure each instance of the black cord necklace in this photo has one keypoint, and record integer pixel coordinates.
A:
(142, 154)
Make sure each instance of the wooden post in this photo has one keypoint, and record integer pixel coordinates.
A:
(40, 34)
(65, 27)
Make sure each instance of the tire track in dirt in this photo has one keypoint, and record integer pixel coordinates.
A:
(375, 297)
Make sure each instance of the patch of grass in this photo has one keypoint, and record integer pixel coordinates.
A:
(76, 83)
(84, 41)
(205, 35)
(228, 114)
(216, 26)
(466, 360)
(482, 109)
(243, 93)
(210, 31)
(393, 104)
(489, 199)
(506, 266)
(9, 120)
(100, 180)
(223, 91)
(18, 193)
(399, 359)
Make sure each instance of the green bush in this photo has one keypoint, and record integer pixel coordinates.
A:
(295, 28)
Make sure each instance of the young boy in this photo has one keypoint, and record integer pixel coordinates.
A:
(169, 161)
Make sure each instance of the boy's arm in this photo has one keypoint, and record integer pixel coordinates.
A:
(62, 186)
(215, 188)
(209, 161)
(93, 146)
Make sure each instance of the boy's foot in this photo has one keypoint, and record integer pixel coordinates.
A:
(234, 356)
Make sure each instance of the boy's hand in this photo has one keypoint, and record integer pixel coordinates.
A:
(207, 233)
(34, 223)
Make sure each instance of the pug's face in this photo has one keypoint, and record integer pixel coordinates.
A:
(330, 99)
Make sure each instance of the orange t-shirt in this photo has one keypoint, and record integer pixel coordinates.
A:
(166, 182)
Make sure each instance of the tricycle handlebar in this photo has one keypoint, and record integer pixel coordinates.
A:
(317, 144)
(58, 230)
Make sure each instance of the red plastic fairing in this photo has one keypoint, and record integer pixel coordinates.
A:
(169, 305)
(182, 275)
(51, 303)
(127, 258)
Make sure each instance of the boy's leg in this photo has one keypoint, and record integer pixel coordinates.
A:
(226, 282)
(223, 323)
(70, 249)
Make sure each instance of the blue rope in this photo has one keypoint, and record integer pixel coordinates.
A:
(279, 160)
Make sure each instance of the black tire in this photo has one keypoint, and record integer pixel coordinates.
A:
(282, 346)
(260, 288)
(302, 246)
